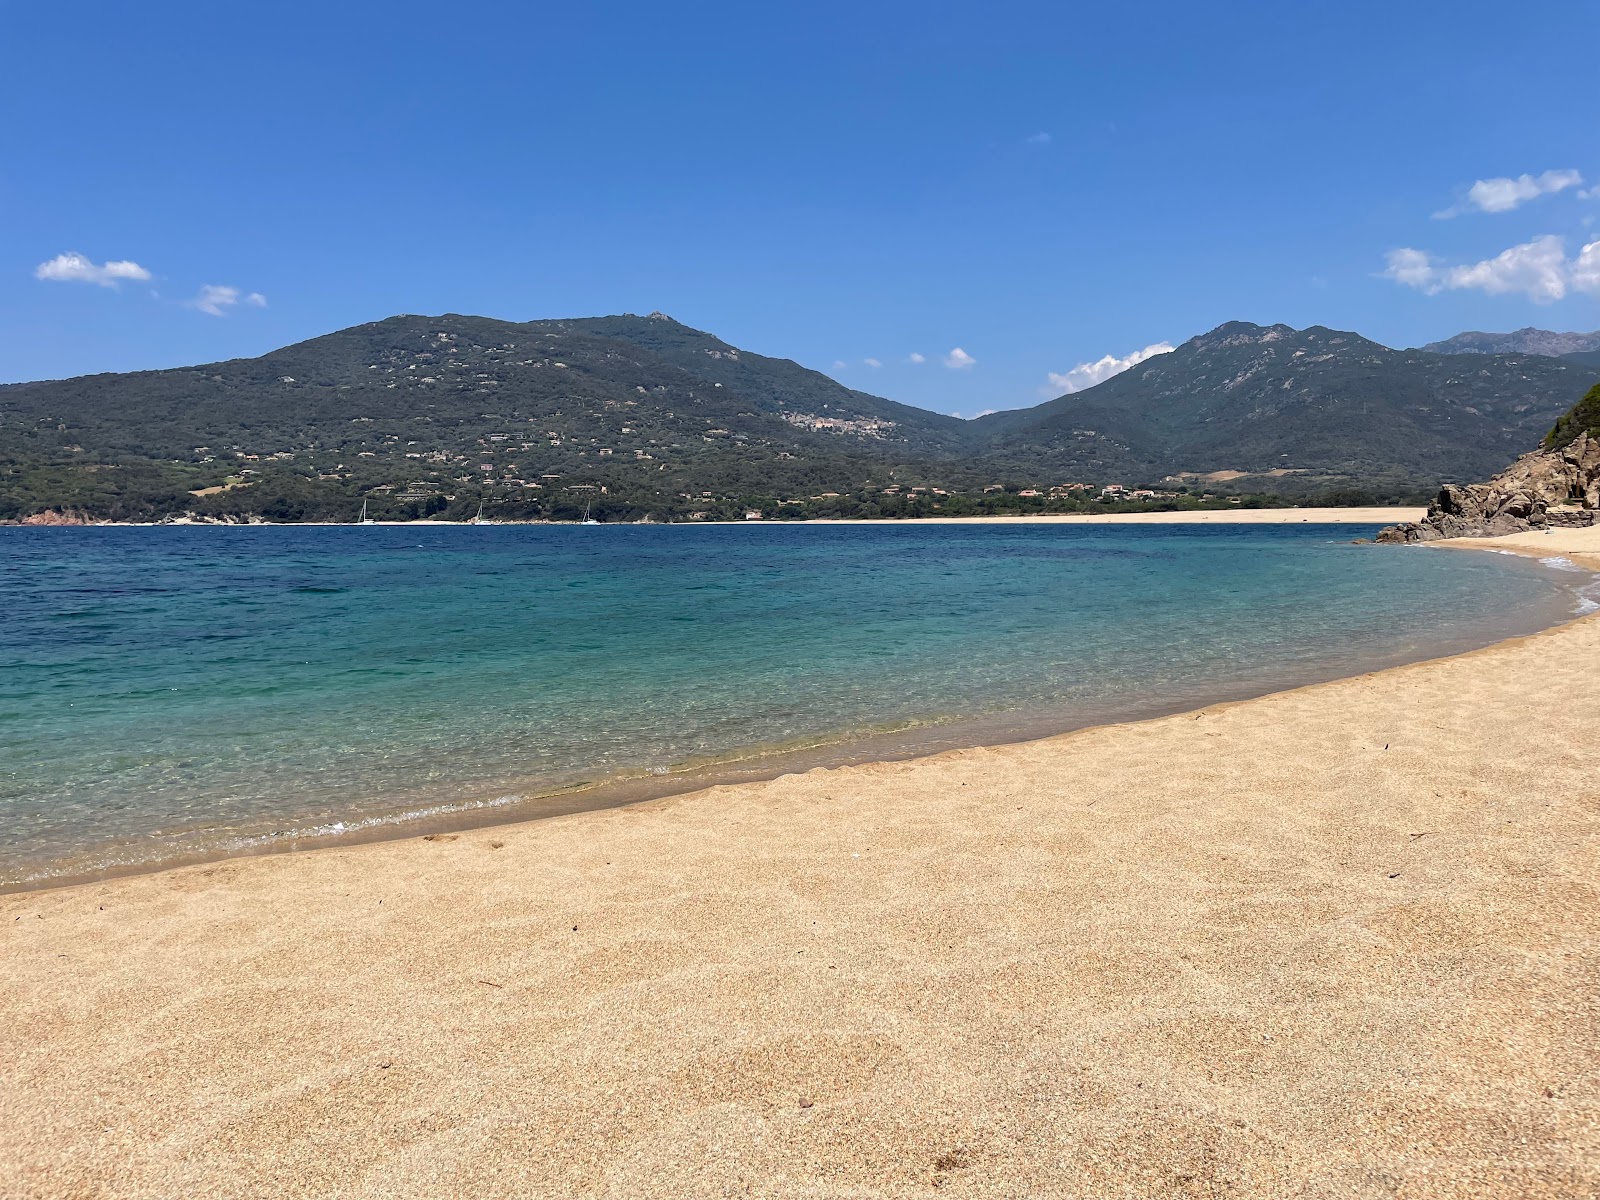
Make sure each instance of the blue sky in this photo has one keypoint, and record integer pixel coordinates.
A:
(1037, 185)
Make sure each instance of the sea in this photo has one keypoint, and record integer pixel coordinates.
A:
(175, 694)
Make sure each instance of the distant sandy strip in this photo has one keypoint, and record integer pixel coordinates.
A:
(1342, 941)
(1216, 516)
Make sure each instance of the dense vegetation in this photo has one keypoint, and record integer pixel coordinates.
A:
(636, 418)
(1306, 408)
(1583, 417)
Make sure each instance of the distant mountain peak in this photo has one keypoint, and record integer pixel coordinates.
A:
(1247, 333)
(1527, 340)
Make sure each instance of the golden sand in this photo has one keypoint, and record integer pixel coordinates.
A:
(1336, 942)
(1209, 516)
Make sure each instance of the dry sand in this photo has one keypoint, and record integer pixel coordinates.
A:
(1341, 941)
(1211, 516)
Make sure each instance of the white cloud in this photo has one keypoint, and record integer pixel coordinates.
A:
(872, 362)
(1412, 268)
(1038, 139)
(959, 360)
(839, 364)
(1538, 269)
(1585, 273)
(75, 268)
(217, 299)
(917, 358)
(1086, 375)
(1504, 194)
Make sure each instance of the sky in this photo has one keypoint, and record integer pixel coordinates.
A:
(964, 207)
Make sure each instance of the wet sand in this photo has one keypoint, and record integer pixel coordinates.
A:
(1339, 941)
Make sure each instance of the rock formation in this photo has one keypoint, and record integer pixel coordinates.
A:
(56, 516)
(1544, 489)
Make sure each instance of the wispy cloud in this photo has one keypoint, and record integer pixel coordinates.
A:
(872, 362)
(1086, 375)
(1539, 270)
(959, 360)
(76, 268)
(1038, 139)
(1503, 194)
(839, 364)
(916, 358)
(217, 299)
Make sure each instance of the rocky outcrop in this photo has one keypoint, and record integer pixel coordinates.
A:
(55, 516)
(1545, 489)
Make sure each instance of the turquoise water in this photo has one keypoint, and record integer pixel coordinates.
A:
(177, 692)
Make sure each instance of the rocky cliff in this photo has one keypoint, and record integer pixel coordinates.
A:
(1557, 487)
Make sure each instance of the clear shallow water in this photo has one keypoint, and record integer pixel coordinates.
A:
(176, 692)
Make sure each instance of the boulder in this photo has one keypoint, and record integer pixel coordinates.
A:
(1545, 488)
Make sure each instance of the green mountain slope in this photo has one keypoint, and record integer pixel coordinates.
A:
(781, 386)
(643, 416)
(1317, 402)
(1582, 418)
(542, 413)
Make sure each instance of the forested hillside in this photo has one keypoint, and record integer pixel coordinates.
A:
(635, 417)
(1299, 406)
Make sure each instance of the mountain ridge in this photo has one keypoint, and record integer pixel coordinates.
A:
(1249, 397)
(1527, 340)
(424, 414)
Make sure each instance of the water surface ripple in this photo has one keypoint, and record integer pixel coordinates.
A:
(173, 692)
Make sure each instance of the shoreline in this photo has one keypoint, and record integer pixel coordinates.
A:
(1218, 516)
(1338, 940)
(491, 805)
(490, 808)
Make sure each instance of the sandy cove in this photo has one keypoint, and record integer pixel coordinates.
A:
(1336, 942)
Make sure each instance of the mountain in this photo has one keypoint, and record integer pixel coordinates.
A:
(542, 413)
(1302, 406)
(1522, 341)
(644, 417)
(776, 385)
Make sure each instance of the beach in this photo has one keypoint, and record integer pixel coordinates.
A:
(1388, 515)
(1336, 941)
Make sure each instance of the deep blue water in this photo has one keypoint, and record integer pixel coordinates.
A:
(176, 691)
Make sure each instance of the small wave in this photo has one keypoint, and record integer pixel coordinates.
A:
(244, 843)
(1559, 563)
(339, 828)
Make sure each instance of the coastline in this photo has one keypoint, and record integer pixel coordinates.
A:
(1332, 940)
(403, 814)
(1218, 516)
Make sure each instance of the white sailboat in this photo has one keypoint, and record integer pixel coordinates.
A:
(586, 519)
(479, 519)
(365, 520)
